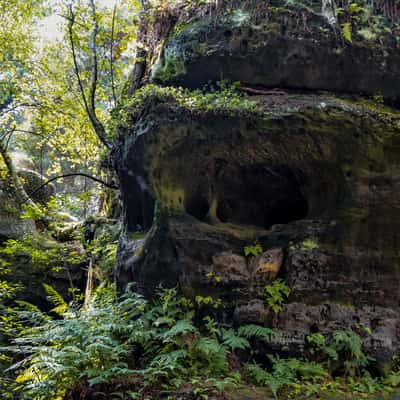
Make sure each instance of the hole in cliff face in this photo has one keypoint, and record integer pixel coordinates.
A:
(139, 206)
(259, 196)
(197, 205)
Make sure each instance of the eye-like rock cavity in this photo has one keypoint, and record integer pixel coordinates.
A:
(303, 185)
(314, 179)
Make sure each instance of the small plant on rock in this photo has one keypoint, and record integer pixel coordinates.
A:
(277, 293)
(254, 249)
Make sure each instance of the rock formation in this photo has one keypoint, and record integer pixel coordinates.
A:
(312, 176)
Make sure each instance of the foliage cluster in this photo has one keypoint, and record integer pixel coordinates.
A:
(223, 99)
(305, 245)
(43, 251)
(277, 292)
(370, 21)
(254, 249)
(140, 349)
(156, 343)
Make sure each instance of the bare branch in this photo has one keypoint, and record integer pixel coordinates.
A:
(112, 55)
(7, 110)
(98, 126)
(273, 92)
(93, 178)
(74, 57)
(94, 69)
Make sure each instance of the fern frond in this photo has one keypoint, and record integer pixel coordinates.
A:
(234, 341)
(264, 378)
(256, 331)
(182, 327)
(209, 346)
(54, 297)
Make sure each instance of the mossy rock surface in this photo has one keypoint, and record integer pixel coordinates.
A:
(284, 46)
(303, 167)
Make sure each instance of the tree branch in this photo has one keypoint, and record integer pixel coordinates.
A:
(98, 126)
(93, 178)
(89, 106)
(111, 55)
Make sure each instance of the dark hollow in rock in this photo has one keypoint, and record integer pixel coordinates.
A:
(197, 204)
(313, 173)
(260, 196)
(140, 209)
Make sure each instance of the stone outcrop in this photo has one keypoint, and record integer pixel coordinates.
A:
(297, 49)
(314, 178)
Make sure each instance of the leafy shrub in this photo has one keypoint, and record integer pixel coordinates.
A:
(285, 372)
(108, 339)
(156, 347)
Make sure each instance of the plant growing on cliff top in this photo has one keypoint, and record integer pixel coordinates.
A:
(225, 99)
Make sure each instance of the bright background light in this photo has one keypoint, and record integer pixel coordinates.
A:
(49, 28)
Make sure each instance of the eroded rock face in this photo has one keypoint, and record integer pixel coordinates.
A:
(313, 168)
(313, 178)
(298, 50)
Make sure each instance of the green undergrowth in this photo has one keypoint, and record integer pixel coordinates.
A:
(224, 99)
(131, 348)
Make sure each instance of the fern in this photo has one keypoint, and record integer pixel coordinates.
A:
(56, 299)
(348, 344)
(209, 346)
(99, 343)
(256, 331)
(180, 328)
(234, 341)
(257, 374)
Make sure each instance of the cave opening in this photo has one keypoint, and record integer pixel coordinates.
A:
(139, 206)
(260, 196)
(197, 205)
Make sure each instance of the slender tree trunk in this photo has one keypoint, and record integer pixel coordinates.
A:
(141, 50)
(22, 196)
(89, 282)
(90, 105)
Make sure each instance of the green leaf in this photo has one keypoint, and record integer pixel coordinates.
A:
(346, 29)
(232, 340)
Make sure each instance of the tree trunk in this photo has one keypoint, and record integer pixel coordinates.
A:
(141, 50)
(22, 196)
